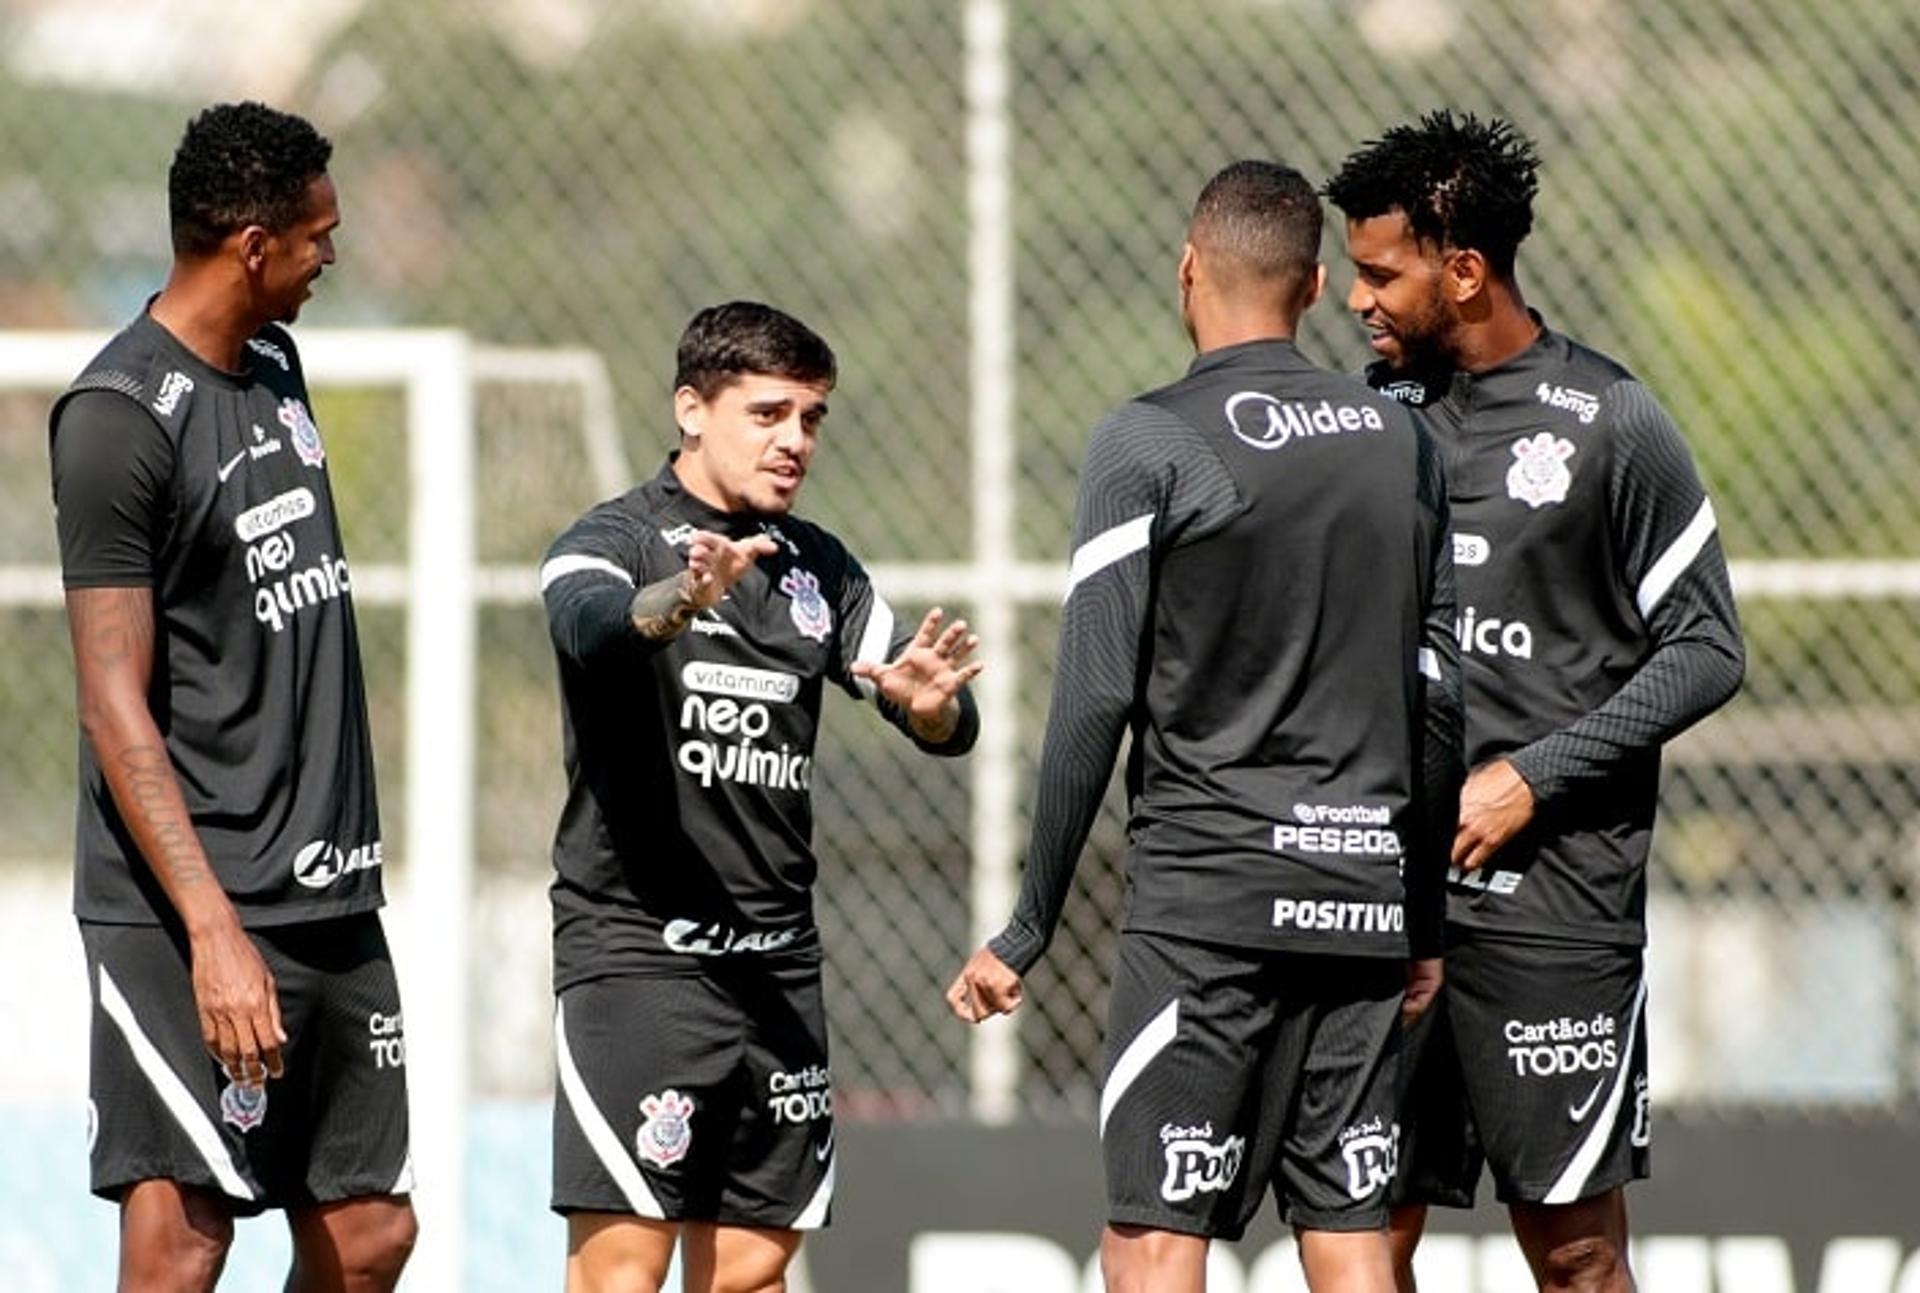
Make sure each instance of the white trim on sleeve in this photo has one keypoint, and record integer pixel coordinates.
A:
(1672, 563)
(573, 563)
(1107, 547)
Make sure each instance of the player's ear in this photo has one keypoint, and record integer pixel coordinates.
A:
(1464, 275)
(689, 411)
(1189, 259)
(1316, 286)
(250, 243)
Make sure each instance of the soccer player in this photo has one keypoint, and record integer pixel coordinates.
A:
(697, 621)
(1261, 574)
(1596, 623)
(227, 862)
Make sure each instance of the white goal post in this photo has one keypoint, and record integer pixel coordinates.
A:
(441, 585)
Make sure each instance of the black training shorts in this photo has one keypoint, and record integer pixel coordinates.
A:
(1230, 1069)
(1534, 1063)
(696, 1097)
(334, 1127)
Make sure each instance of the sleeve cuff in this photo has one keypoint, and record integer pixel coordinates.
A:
(1018, 946)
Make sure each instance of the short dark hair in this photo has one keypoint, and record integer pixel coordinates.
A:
(724, 343)
(241, 164)
(1261, 218)
(1462, 182)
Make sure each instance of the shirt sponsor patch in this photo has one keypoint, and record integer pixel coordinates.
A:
(739, 680)
(1582, 404)
(174, 387)
(1260, 420)
(256, 523)
(321, 862)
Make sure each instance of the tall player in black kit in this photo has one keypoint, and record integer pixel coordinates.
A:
(1596, 623)
(227, 869)
(697, 623)
(1261, 591)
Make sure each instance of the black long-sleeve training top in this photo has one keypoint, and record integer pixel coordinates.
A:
(686, 839)
(1261, 591)
(1596, 620)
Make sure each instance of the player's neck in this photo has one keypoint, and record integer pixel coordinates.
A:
(1502, 330)
(1220, 328)
(205, 315)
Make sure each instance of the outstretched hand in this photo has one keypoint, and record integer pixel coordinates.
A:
(715, 563)
(986, 986)
(926, 678)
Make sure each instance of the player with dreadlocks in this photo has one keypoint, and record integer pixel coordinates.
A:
(1596, 623)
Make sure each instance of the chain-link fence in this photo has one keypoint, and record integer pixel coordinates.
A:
(1728, 206)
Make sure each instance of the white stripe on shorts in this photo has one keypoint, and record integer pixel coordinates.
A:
(814, 1215)
(172, 1091)
(1574, 1178)
(1147, 1043)
(593, 1124)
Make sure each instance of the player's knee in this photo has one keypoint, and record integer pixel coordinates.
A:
(186, 1258)
(379, 1247)
(1589, 1264)
(1136, 1259)
(173, 1238)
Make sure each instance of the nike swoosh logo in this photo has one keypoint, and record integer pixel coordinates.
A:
(232, 463)
(820, 1153)
(1579, 1112)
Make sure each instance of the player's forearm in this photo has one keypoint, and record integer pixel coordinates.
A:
(113, 657)
(146, 792)
(603, 617)
(1436, 812)
(661, 611)
(1076, 761)
(952, 732)
(1679, 684)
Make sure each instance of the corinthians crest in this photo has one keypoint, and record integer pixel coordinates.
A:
(810, 613)
(666, 1130)
(294, 417)
(242, 1105)
(1539, 474)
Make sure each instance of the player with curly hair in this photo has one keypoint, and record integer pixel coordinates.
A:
(1596, 623)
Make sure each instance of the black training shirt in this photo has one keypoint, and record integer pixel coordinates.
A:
(686, 840)
(1596, 622)
(1261, 592)
(211, 489)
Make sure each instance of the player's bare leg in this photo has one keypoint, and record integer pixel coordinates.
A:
(1346, 1261)
(1137, 1259)
(1405, 1225)
(351, 1246)
(612, 1252)
(1576, 1247)
(737, 1259)
(173, 1238)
